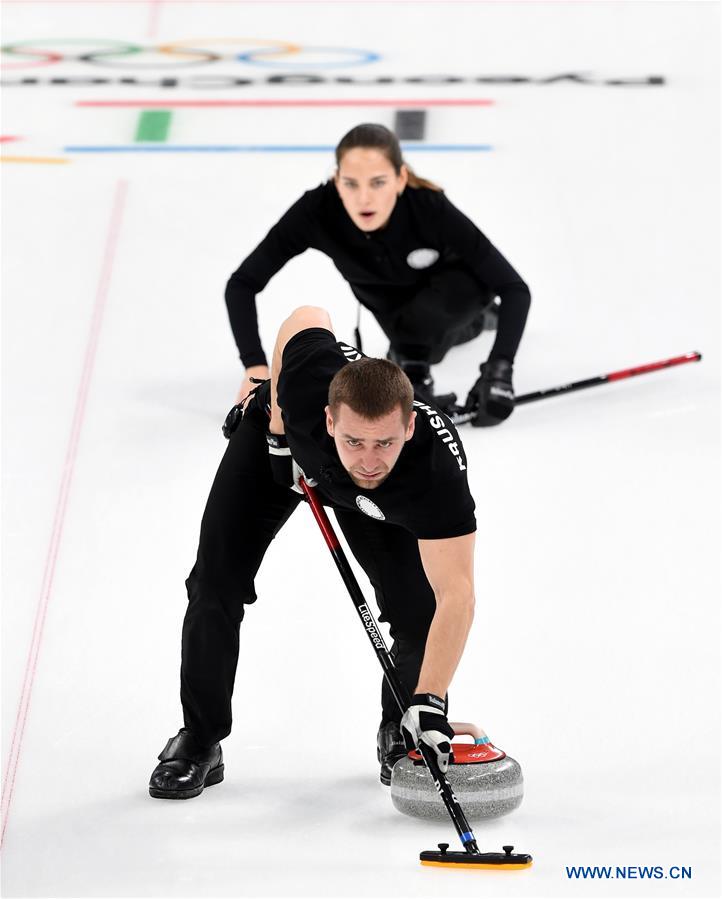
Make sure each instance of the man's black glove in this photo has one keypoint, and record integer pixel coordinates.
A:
(233, 419)
(425, 722)
(492, 396)
(283, 466)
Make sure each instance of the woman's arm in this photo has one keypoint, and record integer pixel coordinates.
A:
(289, 237)
(493, 270)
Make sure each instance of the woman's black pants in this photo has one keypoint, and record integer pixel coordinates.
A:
(423, 326)
(245, 510)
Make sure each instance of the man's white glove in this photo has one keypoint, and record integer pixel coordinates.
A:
(425, 722)
(286, 471)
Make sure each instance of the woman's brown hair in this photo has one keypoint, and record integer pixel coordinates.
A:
(378, 137)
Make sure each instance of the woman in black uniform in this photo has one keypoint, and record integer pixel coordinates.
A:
(425, 271)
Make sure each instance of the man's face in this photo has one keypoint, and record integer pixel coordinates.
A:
(368, 448)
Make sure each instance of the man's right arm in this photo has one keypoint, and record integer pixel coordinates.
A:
(300, 319)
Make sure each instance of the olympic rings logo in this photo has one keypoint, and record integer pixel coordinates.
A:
(197, 52)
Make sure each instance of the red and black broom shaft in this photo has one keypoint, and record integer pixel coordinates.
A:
(359, 601)
(398, 689)
(620, 375)
(461, 418)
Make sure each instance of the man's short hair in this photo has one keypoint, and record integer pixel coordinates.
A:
(372, 388)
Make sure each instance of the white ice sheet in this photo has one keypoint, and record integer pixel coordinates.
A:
(594, 658)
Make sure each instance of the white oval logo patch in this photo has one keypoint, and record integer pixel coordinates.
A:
(369, 508)
(422, 258)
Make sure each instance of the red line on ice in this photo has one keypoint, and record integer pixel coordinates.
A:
(169, 104)
(96, 322)
(155, 7)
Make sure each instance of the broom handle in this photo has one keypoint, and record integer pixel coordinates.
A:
(460, 418)
(463, 828)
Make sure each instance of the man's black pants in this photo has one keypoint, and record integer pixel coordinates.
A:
(425, 324)
(245, 510)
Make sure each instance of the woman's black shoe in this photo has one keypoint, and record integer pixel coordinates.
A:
(186, 768)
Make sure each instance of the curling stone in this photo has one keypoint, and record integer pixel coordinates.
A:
(486, 781)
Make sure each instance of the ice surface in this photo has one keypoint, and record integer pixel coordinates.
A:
(594, 658)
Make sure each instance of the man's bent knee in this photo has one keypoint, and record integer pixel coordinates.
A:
(229, 595)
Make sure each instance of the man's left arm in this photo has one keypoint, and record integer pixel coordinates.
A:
(449, 566)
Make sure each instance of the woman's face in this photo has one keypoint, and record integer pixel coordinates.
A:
(368, 186)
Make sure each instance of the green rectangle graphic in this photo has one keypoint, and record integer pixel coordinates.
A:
(153, 126)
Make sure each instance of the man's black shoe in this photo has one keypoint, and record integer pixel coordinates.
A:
(186, 768)
(389, 749)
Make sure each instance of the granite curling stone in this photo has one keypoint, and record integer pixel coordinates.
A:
(487, 782)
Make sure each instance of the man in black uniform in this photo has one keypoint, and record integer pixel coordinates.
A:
(394, 471)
